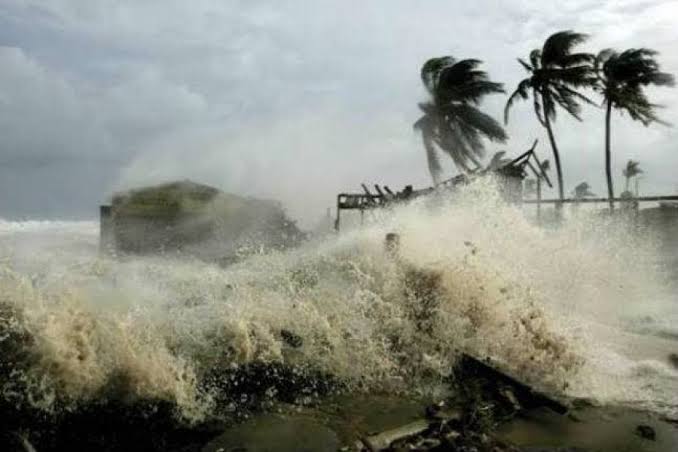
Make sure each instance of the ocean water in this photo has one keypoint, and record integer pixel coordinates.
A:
(585, 310)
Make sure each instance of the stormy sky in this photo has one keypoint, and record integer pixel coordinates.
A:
(294, 100)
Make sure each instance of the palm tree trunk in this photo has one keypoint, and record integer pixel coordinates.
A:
(539, 200)
(433, 167)
(556, 157)
(628, 180)
(608, 156)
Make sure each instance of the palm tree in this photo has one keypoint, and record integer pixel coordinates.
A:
(622, 77)
(632, 170)
(452, 122)
(582, 191)
(555, 74)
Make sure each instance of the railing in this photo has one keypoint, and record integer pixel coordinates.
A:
(601, 200)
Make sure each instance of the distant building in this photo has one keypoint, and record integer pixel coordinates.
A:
(186, 218)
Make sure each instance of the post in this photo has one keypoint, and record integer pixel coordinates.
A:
(392, 244)
(338, 220)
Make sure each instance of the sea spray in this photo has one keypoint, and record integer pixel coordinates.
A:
(85, 328)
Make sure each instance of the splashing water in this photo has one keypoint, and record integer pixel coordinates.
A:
(473, 274)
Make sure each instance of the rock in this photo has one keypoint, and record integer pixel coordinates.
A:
(291, 339)
(646, 432)
(583, 402)
(670, 420)
(430, 443)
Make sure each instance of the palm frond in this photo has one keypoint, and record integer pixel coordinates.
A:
(535, 59)
(622, 77)
(430, 71)
(488, 126)
(525, 65)
(632, 169)
(521, 91)
(558, 47)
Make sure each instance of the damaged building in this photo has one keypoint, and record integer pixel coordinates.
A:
(191, 219)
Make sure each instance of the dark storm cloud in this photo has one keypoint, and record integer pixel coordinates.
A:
(294, 100)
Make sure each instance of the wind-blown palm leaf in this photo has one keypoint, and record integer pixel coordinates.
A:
(623, 76)
(452, 122)
(430, 71)
(521, 91)
(557, 47)
(632, 169)
(426, 127)
(472, 117)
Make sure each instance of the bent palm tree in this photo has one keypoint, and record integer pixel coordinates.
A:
(622, 77)
(555, 74)
(632, 170)
(452, 122)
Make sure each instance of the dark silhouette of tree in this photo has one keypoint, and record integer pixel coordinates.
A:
(555, 74)
(622, 78)
(632, 170)
(452, 122)
(582, 191)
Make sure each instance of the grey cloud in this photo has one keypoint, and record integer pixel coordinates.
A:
(295, 100)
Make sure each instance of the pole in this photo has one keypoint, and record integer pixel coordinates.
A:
(539, 200)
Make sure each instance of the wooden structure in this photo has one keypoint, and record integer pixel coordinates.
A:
(509, 175)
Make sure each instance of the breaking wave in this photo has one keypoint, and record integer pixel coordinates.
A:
(472, 275)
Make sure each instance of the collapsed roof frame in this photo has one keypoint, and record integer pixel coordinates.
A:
(385, 196)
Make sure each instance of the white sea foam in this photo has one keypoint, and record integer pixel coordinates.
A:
(552, 304)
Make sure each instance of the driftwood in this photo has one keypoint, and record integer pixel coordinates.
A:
(383, 440)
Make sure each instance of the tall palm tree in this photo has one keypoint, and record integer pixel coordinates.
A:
(622, 77)
(555, 74)
(452, 122)
(632, 170)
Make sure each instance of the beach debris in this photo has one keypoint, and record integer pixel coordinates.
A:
(383, 440)
(646, 432)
